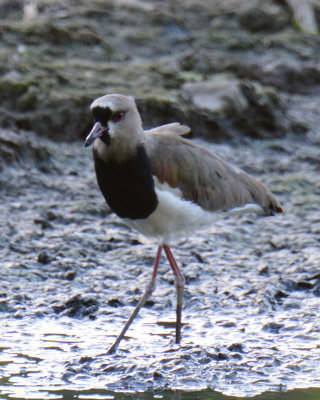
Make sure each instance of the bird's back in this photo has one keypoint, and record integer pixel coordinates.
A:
(201, 176)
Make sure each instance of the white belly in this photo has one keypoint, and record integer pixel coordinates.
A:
(175, 218)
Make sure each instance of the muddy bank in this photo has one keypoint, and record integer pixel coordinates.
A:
(242, 77)
(56, 62)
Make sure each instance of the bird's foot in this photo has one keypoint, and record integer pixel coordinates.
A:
(112, 349)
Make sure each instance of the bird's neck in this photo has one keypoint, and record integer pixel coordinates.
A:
(119, 149)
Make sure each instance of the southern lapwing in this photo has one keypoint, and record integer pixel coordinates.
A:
(163, 185)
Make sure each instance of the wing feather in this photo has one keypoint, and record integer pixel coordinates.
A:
(202, 177)
(170, 129)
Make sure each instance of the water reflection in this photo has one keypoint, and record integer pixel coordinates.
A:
(302, 394)
(58, 359)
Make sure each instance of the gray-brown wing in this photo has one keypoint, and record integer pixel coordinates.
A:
(203, 177)
(170, 129)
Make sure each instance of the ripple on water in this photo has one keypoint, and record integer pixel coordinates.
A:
(235, 357)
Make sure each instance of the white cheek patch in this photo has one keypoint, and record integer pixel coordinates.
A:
(112, 129)
(101, 149)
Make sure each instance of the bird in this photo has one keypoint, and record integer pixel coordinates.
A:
(165, 186)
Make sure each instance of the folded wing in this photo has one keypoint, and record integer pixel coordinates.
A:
(201, 176)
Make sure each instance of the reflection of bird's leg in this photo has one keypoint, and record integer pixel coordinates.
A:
(179, 282)
(149, 289)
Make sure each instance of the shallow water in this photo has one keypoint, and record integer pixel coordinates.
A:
(93, 394)
(50, 358)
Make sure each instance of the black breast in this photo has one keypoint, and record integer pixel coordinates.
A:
(128, 187)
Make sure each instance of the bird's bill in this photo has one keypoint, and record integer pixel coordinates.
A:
(96, 132)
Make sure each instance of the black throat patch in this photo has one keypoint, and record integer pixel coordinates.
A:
(128, 187)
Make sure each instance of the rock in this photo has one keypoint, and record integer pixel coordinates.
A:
(266, 17)
(255, 110)
(285, 73)
(70, 275)
(221, 95)
(221, 356)
(5, 307)
(236, 347)
(266, 115)
(45, 224)
(44, 257)
(114, 302)
(272, 327)
(24, 148)
(78, 307)
(316, 290)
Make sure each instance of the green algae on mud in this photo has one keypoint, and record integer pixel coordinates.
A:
(54, 66)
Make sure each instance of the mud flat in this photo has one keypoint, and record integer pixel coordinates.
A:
(71, 272)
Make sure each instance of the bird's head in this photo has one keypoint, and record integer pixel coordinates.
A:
(116, 120)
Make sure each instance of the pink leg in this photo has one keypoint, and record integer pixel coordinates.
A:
(179, 282)
(149, 289)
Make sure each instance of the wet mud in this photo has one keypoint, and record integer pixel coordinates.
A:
(71, 272)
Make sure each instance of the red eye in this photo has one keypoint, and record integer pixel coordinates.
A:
(118, 116)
